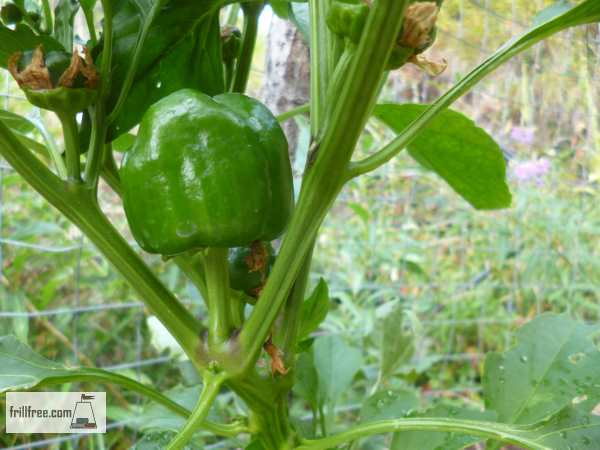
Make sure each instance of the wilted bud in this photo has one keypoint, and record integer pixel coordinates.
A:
(231, 40)
(419, 25)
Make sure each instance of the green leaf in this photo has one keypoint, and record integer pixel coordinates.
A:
(336, 363)
(301, 17)
(281, 8)
(389, 404)
(551, 12)
(573, 428)
(21, 39)
(63, 26)
(16, 122)
(23, 369)
(554, 362)
(123, 143)
(361, 212)
(88, 4)
(18, 325)
(314, 310)
(397, 342)
(182, 50)
(306, 384)
(21, 127)
(419, 440)
(451, 145)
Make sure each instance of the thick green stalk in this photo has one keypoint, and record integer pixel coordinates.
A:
(267, 399)
(79, 205)
(486, 430)
(212, 386)
(244, 63)
(216, 274)
(325, 178)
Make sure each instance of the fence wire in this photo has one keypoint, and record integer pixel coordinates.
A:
(445, 318)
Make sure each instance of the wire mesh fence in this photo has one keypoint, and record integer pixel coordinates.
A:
(397, 235)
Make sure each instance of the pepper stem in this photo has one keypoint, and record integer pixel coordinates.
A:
(69, 125)
(251, 15)
(216, 272)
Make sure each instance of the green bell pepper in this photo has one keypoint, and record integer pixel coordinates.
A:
(207, 172)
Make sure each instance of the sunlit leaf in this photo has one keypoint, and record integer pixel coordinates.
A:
(460, 152)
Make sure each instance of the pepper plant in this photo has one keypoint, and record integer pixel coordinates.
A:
(207, 184)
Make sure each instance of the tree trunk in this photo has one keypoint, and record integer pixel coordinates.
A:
(287, 79)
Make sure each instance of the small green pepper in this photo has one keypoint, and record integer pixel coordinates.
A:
(347, 18)
(11, 14)
(207, 172)
(56, 81)
(250, 266)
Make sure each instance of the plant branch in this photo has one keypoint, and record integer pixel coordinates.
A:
(369, 164)
(578, 15)
(244, 63)
(94, 375)
(302, 109)
(135, 61)
(487, 430)
(326, 175)
(212, 385)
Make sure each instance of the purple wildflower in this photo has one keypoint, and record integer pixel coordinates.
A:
(533, 170)
(523, 135)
